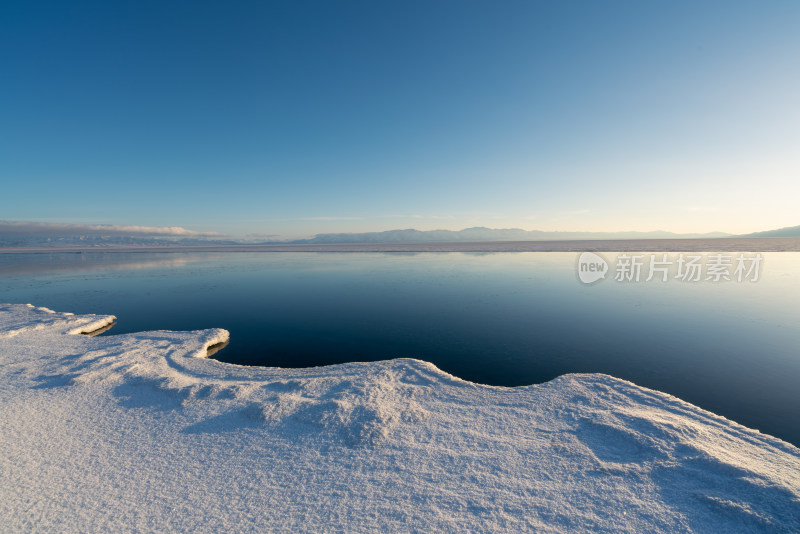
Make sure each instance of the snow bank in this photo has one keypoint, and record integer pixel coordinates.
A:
(141, 432)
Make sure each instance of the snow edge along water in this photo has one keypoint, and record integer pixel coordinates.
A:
(581, 432)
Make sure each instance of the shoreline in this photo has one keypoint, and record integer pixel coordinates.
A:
(726, 244)
(119, 432)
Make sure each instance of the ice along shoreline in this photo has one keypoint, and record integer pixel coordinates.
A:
(140, 431)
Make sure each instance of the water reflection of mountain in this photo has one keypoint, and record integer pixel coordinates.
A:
(11, 264)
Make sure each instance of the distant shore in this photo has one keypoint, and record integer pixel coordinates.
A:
(752, 244)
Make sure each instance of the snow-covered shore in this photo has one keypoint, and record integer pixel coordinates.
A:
(141, 432)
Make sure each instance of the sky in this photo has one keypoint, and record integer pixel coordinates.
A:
(288, 119)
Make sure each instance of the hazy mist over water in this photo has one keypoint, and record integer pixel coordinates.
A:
(505, 319)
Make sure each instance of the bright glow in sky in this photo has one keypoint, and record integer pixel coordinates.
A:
(296, 118)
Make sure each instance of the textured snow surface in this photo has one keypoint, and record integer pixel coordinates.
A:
(141, 432)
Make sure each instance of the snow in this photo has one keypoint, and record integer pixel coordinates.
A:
(142, 432)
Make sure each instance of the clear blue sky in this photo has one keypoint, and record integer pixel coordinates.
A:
(295, 118)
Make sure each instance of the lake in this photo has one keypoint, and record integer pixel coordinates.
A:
(505, 319)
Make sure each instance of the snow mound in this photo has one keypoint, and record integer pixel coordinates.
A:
(143, 432)
(18, 319)
(360, 411)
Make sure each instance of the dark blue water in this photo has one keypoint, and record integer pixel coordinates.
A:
(503, 319)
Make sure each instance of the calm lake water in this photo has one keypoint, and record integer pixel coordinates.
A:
(503, 319)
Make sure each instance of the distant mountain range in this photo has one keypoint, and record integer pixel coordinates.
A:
(54, 234)
(476, 234)
(789, 231)
(480, 233)
(10, 241)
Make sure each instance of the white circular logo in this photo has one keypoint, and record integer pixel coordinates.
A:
(591, 268)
